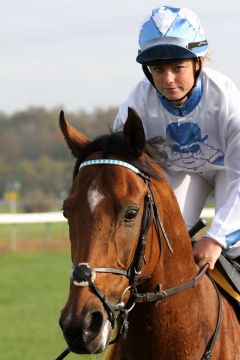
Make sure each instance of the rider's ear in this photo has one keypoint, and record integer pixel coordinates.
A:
(75, 140)
(133, 131)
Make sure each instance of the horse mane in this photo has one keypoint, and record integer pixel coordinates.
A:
(114, 144)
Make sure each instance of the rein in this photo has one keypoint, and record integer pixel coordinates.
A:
(161, 295)
(83, 275)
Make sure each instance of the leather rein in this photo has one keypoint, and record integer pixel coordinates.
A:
(83, 275)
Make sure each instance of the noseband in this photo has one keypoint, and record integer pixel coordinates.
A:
(83, 275)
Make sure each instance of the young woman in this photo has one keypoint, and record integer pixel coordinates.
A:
(197, 111)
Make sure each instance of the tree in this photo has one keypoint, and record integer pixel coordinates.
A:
(33, 152)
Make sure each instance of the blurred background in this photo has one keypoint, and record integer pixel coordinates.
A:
(78, 56)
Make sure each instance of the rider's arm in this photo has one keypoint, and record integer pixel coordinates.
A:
(225, 227)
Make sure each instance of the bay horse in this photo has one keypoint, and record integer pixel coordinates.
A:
(134, 283)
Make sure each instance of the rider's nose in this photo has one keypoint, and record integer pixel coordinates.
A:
(168, 77)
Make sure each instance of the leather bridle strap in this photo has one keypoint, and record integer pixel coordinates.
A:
(109, 309)
(63, 354)
(147, 218)
(115, 271)
(161, 295)
(208, 352)
(159, 223)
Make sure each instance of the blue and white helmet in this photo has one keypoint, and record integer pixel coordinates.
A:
(171, 33)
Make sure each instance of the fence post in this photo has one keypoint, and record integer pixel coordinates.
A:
(14, 237)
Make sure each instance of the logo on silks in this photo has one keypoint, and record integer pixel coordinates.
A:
(189, 149)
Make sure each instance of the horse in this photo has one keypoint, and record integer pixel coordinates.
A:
(135, 289)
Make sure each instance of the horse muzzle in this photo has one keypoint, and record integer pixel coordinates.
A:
(88, 329)
(87, 333)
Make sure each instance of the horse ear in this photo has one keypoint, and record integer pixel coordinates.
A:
(74, 139)
(133, 131)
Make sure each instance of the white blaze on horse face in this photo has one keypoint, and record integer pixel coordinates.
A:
(94, 196)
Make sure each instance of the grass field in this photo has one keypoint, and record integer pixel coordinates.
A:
(34, 288)
(34, 283)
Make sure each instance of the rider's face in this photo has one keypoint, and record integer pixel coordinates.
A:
(174, 79)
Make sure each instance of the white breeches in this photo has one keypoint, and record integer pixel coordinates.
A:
(192, 191)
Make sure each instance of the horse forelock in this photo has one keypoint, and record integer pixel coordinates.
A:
(115, 145)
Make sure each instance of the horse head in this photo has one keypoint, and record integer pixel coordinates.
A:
(115, 229)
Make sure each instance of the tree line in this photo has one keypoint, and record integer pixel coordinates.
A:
(34, 160)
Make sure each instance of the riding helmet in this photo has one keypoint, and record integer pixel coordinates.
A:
(171, 33)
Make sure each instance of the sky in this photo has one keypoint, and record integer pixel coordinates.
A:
(80, 54)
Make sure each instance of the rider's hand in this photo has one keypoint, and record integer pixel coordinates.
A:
(206, 251)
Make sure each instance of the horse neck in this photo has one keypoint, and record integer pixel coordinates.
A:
(182, 314)
(180, 264)
(180, 327)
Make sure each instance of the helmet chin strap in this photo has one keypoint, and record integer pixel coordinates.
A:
(187, 95)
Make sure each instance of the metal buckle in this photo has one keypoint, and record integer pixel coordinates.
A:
(122, 299)
(161, 292)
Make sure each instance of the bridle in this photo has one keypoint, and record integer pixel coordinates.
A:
(83, 274)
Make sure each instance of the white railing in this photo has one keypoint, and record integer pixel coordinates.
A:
(29, 218)
(49, 218)
(15, 220)
(53, 217)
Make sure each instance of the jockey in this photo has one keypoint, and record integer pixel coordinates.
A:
(197, 111)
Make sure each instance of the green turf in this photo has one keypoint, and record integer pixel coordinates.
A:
(34, 288)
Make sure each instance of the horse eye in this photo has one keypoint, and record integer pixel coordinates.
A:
(131, 215)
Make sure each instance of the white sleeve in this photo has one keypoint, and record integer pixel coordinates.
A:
(225, 227)
(136, 100)
(121, 115)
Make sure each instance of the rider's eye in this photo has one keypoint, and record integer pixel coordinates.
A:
(130, 215)
(157, 69)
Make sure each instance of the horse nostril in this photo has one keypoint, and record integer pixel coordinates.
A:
(92, 325)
